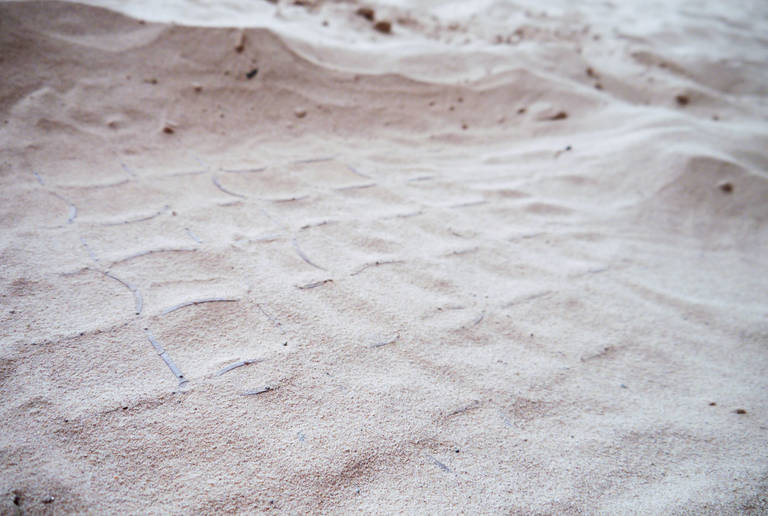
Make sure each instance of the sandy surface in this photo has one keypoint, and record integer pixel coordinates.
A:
(504, 259)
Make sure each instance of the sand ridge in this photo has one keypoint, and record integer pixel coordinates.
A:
(432, 287)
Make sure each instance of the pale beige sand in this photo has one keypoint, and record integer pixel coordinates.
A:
(459, 300)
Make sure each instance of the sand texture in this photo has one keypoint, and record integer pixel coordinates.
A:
(491, 258)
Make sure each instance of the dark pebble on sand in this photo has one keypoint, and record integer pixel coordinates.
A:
(367, 13)
(383, 26)
(726, 187)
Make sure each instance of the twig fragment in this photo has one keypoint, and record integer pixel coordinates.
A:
(137, 219)
(313, 160)
(468, 204)
(385, 343)
(226, 191)
(357, 172)
(137, 299)
(256, 392)
(375, 264)
(72, 208)
(153, 251)
(90, 251)
(314, 284)
(355, 187)
(238, 364)
(197, 302)
(244, 170)
(271, 318)
(193, 236)
(304, 256)
(439, 464)
(166, 358)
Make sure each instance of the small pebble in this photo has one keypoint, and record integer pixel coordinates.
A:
(740, 411)
(682, 100)
(562, 115)
(726, 187)
(383, 26)
(367, 13)
(300, 113)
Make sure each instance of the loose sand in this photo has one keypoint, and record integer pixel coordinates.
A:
(502, 259)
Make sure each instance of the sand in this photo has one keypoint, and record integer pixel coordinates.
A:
(507, 258)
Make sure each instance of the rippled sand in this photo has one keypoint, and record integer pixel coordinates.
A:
(504, 259)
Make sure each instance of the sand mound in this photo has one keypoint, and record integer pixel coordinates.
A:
(495, 260)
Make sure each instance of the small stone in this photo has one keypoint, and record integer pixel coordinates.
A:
(725, 187)
(300, 113)
(383, 26)
(168, 129)
(682, 100)
(240, 44)
(712, 403)
(562, 115)
(367, 13)
(250, 75)
(197, 87)
(740, 411)
(48, 499)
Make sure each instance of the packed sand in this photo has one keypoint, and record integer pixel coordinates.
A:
(493, 257)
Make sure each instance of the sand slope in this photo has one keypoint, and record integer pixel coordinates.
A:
(516, 276)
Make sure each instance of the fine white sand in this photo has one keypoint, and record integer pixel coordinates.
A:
(509, 258)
